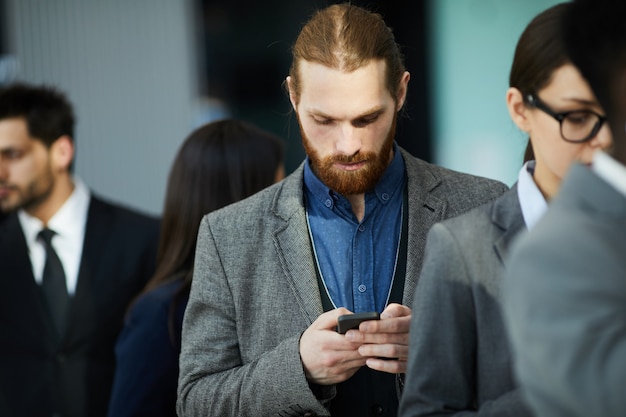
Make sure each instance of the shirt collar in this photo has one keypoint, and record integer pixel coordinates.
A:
(69, 221)
(532, 202)
(610, 170)
(388, 184)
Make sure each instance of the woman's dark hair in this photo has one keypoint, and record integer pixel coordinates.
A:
(539, 52)
(529, 154)
(595, 36)
(218, 164)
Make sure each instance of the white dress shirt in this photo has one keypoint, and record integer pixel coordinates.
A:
(69, 224)
(531, 199)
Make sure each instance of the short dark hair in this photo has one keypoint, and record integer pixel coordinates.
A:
(47, 112)
(595, 36)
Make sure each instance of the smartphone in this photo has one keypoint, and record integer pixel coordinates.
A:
(352, 321)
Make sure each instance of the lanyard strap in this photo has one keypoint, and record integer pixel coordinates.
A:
(397, 284)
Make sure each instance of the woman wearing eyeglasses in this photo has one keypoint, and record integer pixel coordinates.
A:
(459, 359)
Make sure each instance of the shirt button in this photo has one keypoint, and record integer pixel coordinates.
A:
(329, 203)
(385, 196)
(362, 288)
(361, 228)
(377, 410)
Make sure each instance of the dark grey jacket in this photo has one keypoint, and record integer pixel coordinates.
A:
(459, 359)
(255, 291)
(565, 310)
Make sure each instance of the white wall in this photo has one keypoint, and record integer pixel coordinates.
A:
(129, 68)
(473, 42)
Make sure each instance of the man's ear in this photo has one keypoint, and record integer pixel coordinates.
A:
(517, 109)
(402, 90)
(292, 93)
(62, 153)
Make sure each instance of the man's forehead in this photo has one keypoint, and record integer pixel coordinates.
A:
(373, 68)
(14, 132)
(331, 92)
(356, 115)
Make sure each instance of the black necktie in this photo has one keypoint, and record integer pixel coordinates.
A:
(53, 283)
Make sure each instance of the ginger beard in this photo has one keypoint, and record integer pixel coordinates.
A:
(351, 182)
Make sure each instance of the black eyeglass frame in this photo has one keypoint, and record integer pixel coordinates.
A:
(534, 101)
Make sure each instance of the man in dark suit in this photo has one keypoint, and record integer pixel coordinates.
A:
(566, 286)
(63, 291)
(343, 233)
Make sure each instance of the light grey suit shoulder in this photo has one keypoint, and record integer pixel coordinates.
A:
(459, 360)
(566, 302)
(255, 291)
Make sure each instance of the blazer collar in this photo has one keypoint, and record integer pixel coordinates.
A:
(506, 213)
(293, 245)
(425, 209)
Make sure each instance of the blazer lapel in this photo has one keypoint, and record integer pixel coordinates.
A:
(96, 237)
(507, 215)
(293, 245)
(18, 287)
(424, 210)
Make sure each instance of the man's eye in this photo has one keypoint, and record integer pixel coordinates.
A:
(365, 121)
(322, 121)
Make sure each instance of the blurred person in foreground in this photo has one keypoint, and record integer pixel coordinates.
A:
(460, 360)
(219, 163)
(566, 286)
(71, 262)
(343, 233)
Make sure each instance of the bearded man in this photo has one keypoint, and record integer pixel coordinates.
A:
(344, 233)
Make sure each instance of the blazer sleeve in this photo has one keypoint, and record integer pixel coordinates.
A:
(214, 380)
(442, 374)
(566, 313)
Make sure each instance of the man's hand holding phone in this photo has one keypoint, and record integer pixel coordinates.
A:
(330, 357)
(327, 356)
(347, 322)
(385, 342)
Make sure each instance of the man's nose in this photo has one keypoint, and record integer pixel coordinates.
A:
(349, 142)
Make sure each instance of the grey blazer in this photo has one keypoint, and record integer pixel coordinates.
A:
(459, 361)
(566, 302)
(255, 291)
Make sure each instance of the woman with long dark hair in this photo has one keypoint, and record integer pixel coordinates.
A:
(219, 163)
(459, 358)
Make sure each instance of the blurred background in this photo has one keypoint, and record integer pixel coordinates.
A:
(143, 73)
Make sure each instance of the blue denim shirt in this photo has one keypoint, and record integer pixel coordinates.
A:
(357, 259)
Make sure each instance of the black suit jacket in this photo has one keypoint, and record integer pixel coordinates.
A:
(41, 372)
